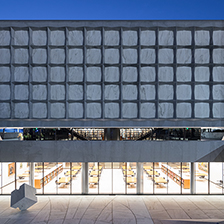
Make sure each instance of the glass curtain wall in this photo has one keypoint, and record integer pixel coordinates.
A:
(201, 177)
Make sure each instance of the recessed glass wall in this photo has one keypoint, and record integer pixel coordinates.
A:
(201, 177)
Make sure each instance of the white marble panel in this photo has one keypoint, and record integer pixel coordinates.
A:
(93, 74)
(57, 37)
(4, 92)
(112, 38)
(75, 56)
(218, 92)
(218, 56)
(75, 92)
(201, 92)
(218, 110)
(129, 56)
(75, 37)
(202, 37)
(57, 56)
(112, 92)
(39, 110)
(147, 74)
(147, 56)
(202, 56)
(183, 92)
(75, 110)
(57, 110)
(5, 110)
(21, 92)
(183, 110)
(184, 37)
(93, 110)
(184, 56)
(218, 37)
(148, 37)
(165, 56)
(130, 74)
(201, 110)
(130, 38)
(93, 56)
(129, 110)
(21, 110)
(166, 37)
(218, 74)
(39, 92)
(39, 37)
(130, 92)
(112, 56)
(202, 74)
(5, 74)
(39, 56)
(4, 37)
(147, 92)
(21, 37)
(39, 74)
(166, 74)
(93, 92)
(112, 110)
(57, 92)
(165, 92)
(57, 74)
(165, 110)
(4, 56)
(148, 110)
(112, 74)
(93, 37)
(183, 74)
(75, 74)
(21, 74)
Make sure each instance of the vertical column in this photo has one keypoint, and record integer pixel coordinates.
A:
(112, 134)
(139, 178)
(31, 180)
(85, 180)
(193, 186)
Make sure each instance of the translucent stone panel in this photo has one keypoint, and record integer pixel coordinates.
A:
(39, 56)
(130, 74)
(75, 92)
(57, 56)
(93, 37)
(57, 74)
(39, 74)
(5, 74)
(218, 37)
(93, 74)
(184, 56)
(93, 92)
(218, 56)
(201, 110)
(218, 92)
(218, 110)
(183, 110)
(5, 92)
(147, 92)
(202, 56)
(21, 74)
(57, 37)
(129, 56)
(112, 92)
(130, 92)
(94, 110)
(165, 92)
(166, 74)
(39, 37)
(39, 92)
(21, 110)
(201, 92)
(75, 74)
(112, 74)
(112, 110)
(4, 37)
(148, 37)
(93, 56)
(166, 37)
(218, 74)
(4, 56)
(147, 74)
(129, 110)
(148, 110)
(202, 37)
(201, 74)
(130, 38)
(75, 110)
(5, 110)
(147, 56)
(57, 110)
(183, 74)
(165, 110)
(57, 92)
(112, 56)
(75, 56)
(75, 37)
(39, 110)
(21, 37)
(165, 56)
(183, 92)
(21, 92)
(184, 37)
(112, 38)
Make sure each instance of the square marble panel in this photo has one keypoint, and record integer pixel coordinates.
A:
(147, 74)
(201, 92)
(166, 74)
(112, 74)
(57, 74)
(21, 110)
(57, 56)
(5, 74)
(39, 74)
(184, 56)
(93, 56)
(218, 92)
(165, 92)
(93, 74)
(75, 74)
(202, 37)
(57, 92)
(183, 92)
(75, 56)
(5, 92)
(218, 110)
(57, 110)
(218, 74)
(130, 110)
(21, 37)
(21, 56)
(218, 37)
(112, 110)
(112, 56)
(112, 92)
(148, 110)
(165, 56)
(183, 74)
(75, 92)
(93, 37)
(4, 56)
(21, 92)
(201, 110)
(183, 110)
(130, 37)
(75, 110)
(184, 37)
(165, 110)
(93, 92)
(75, 37)
(5, 110)
(129, 56)
(39, 110)
(39, 37)
(112, 38)
(4, 38)
(130, 74)
(39, 56)
(130, 92)
(94, 110)
(201, 74)
(147, 56)
(202, 56)
(218, 56)
(57, 37)
(147, 92)
(148, 37)
(39, 92)
(21, 74)
(166, 37)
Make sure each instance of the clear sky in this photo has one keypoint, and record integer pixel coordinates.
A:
(112, 9)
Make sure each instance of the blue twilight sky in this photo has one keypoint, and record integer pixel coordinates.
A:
(115, 10)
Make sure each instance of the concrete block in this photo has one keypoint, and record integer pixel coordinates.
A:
(57, 74)
(183, 92)
(130, 92)
(39, 110)
(75, 56)
(75, 92)
(39, 37)
(93, 56)
(165, 110)
(112, 38)
(57, 110)
(201, 74)
(94, 110)
(130, 74)
(166, 37)
(130, 110)
(184, 37)
(57, 92)
(57, 56)
(21, 110)
(5, 92)
(218, 110)
(39, 92)
(23, 198)
(112, 110)
(75, 37)
(184, 56)
(202, 56)
(5, 74)
(183, 110)
(112, 74)
(112, 92)
(148, 110)
(201, 92)
(21, 56)
(4, 56)
(218, 74)
(39, 56)
(147, 56)
(75, 74)
(165, 56)
(129, 56)
(75, 110)
(218, 56)
(147, 92)
(93, 92)
(147, 74)
(130, 38)
(21, 37)
(218, 92)
(202, 37)
(183, 74)
(21, 92)
(112, 56)
(39, 74)
(5, 110)
(21, 74)
(148, 38)
(93, 37)
(166, 74)
(93, 74)
(201, 110)
(4, 38)
(57, 37)
(218, 37)
(165, 92)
